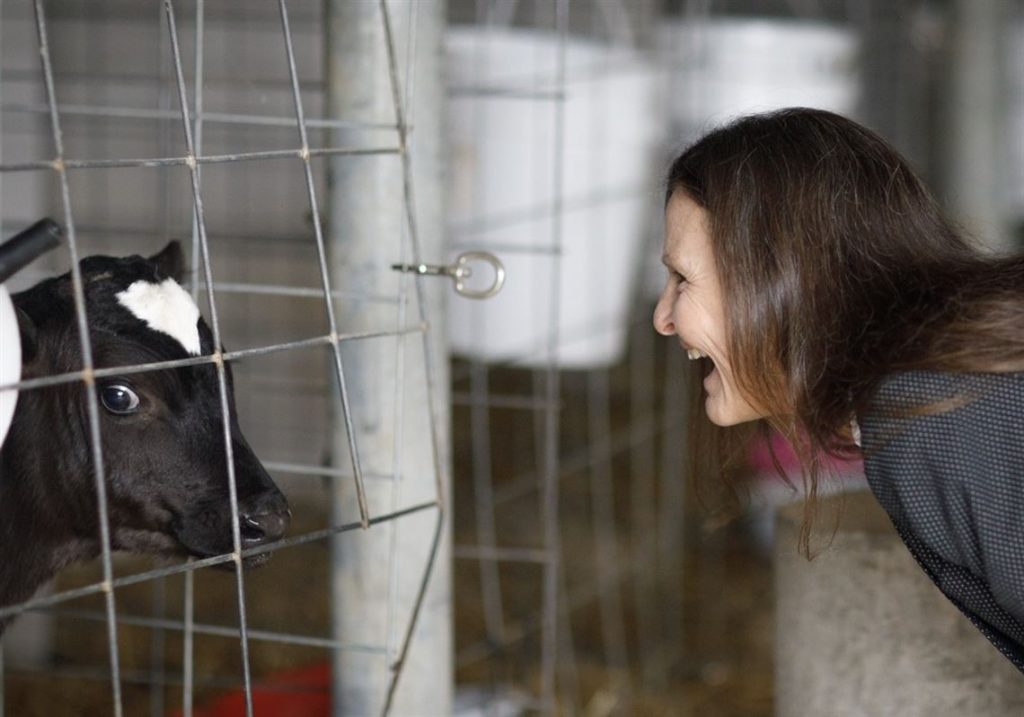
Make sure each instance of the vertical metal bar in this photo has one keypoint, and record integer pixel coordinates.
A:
(197, 108)
(569, 683)
(396, 667)
(399, 397)
(92, 405)
(357, 468)
(396, 484)
(483, 509)
(188, 645)
(606, 547)
(549, 632)
(433, 22)
(613, 18)
(975, 160)
(158, 668)
(409, 204)
(642, 502)
(671, 517)
(219, 363)
(361, 215)
(188, 618)
(366, 211)
(480, 426)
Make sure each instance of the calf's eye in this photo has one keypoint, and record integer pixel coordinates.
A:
(119, 399)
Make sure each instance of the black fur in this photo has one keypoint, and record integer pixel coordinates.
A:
(166, 469)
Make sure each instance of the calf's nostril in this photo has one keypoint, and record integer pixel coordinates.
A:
(251, 530)
(264, 527)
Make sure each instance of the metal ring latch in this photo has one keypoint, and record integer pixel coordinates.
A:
(461, 270)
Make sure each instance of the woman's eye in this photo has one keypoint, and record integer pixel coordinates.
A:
(678, 278)
(119, 399)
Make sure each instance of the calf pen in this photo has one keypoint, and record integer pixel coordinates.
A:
(159, 127)
(278, 137)
(299, 146)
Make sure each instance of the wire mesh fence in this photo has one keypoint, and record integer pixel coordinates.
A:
(302, 149)
(103, 106)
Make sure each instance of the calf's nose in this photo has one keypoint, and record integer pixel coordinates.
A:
(264, 519)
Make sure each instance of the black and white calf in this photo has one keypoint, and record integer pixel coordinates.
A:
(161, 431)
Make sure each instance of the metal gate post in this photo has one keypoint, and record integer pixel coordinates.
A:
(376, 573)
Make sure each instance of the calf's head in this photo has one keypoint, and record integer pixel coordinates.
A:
(162, 431)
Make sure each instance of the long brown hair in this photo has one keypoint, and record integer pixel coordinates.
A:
(837, 268)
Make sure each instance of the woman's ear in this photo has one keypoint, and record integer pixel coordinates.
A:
(170, 260)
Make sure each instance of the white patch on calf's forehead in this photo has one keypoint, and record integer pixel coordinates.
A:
(166, 308)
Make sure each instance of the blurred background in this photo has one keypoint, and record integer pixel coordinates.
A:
(577, 574)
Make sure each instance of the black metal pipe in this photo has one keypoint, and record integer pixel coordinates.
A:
(20, 250)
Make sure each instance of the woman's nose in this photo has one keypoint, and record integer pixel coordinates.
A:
(663, 315)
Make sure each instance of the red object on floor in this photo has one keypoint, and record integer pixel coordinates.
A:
(302, 692)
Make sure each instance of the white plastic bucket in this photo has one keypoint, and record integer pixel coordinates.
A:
(720, 69)
(723, 68)
(10, 360)
(502, 131)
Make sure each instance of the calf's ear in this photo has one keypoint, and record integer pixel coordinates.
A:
(29, 337)
(170, 260)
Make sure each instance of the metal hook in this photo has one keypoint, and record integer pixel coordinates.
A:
(461, 270)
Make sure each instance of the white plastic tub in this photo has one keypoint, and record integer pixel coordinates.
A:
(503, 142)
(722, 68)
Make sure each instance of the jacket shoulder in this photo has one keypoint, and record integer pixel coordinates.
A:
(944, 455)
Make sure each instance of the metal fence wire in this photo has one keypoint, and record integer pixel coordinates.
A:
(546, 550)
(408, 305)
(532, 434)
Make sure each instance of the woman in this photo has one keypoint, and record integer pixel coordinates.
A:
(824, 295)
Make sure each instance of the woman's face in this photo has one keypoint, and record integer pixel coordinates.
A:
(691, 307)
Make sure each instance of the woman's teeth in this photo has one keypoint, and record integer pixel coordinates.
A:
(695, 354)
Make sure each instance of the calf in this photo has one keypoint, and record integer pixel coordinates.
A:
(161, 431)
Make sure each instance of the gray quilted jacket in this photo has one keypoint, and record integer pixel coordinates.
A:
(952, 481)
